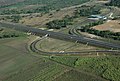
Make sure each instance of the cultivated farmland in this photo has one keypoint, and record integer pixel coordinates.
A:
(105, 66)
(37, 55)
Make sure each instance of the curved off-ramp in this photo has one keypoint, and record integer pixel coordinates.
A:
(86, 52)
(61, 36)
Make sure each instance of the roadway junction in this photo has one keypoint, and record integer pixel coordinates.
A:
(112, 47)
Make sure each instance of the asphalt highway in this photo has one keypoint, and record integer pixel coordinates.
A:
(61, 36)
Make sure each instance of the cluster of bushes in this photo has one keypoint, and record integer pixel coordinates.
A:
(105, 34)
(67, 20)
(57, 24)
(106, 67)
(14, 19)
(114, 3)
(9, 34)
(17, 11)
(94, 24)
(1, 29)
(88, 26)
(87, 11)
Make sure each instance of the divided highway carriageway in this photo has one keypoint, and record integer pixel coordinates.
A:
(61, 36)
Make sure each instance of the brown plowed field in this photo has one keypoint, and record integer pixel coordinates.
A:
(113, 25)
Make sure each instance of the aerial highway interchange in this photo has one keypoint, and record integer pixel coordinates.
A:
(66, 37)
(73, 37)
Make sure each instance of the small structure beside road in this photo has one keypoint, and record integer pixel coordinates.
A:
(97, 17)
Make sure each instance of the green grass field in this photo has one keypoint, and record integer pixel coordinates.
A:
(55, 45)
(77, 76)
(104, 66)
(13, 59)
(17, 64)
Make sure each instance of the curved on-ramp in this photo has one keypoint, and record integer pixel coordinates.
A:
(61, 36)
(87, 52)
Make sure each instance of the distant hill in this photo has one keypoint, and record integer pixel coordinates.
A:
(115, 3)
(36, 6)
(9, 2)
(50, 3)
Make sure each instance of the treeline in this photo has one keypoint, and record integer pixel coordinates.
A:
(15, 19)
(67, 20)
(9, 34)
(58, 24)
(114, 3)
(87, 10)
(17, 11)
(105, 34)
(93, 24)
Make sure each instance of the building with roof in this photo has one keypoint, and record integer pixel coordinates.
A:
(97, 17)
